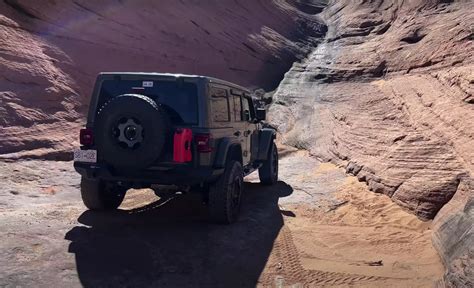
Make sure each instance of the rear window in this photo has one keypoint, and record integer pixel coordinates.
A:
(178, 98)
(220, 105)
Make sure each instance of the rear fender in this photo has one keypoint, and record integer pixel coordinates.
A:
(224, 149)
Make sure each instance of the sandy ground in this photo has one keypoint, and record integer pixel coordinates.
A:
(316, 227)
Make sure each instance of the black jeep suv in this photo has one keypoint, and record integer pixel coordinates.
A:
(192, 132)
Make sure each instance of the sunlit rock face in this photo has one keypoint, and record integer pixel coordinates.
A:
(51, 52)
(389, 95)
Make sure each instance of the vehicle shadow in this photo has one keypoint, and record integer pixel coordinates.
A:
(169, 243)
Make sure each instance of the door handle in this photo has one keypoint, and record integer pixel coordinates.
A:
(237, 133)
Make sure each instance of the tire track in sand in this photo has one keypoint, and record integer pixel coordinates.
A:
(290, 268)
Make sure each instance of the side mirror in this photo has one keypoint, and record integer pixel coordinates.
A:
(261, 114)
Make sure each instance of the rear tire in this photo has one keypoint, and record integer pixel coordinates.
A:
(100, 195)
(268, 173)
(225, 195)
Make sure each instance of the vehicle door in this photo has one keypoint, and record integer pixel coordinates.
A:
(240, 125)
(220, 113)
(253, 127)
(248, 129)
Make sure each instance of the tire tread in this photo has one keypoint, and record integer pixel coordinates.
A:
(218, 195)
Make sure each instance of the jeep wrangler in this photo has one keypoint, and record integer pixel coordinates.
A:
(195, 133)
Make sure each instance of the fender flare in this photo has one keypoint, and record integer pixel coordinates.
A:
(223, 148)
(265, 140)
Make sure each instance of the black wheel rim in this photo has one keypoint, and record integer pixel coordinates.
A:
(128, 132)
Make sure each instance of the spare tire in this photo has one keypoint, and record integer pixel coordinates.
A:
(131, 131)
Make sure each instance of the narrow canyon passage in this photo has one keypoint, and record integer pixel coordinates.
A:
(316, 227)
(382, 89)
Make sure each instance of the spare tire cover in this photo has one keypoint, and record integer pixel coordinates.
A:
(130, 132)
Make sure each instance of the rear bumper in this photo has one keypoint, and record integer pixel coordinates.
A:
(179, 175)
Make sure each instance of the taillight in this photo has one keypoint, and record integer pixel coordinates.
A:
(203, 143)
(86, 137)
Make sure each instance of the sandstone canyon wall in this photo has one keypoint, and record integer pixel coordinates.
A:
(51, 52)
(389, 96)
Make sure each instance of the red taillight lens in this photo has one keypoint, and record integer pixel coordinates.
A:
(203, 143)
(86, 137)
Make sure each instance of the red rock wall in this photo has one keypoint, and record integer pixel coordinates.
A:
(453, 237)
(51, 52)
(390, 96)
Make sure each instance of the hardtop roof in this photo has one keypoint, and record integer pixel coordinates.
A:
(176, 75)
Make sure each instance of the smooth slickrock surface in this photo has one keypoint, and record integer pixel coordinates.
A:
(317, 227)
(51, 52)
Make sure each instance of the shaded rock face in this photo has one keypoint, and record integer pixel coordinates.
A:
(51, 52)
(389, 96)
(453, 237)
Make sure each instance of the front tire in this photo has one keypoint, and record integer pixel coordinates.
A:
(99, 195)
(268, 173)
(225, 195)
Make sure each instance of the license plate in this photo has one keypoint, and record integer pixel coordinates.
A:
(87, 156)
